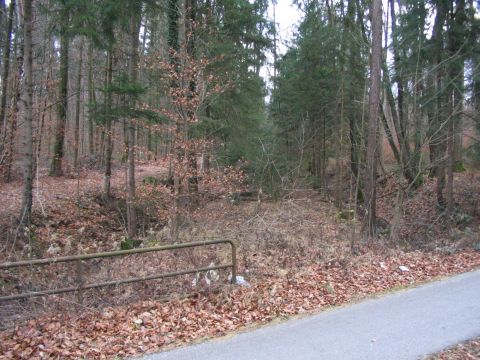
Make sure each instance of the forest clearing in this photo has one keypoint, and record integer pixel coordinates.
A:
(339, 154)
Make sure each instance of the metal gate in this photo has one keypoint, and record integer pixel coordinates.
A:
(81, 285)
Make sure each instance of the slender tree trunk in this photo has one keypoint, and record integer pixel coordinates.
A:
(108, 130)
(6, 68)
(40, 131)
(133, 72)
(26, 103)
(404, 158)
(374, 111)
(62, 107)
(456, 39)
(3, 12)
(191, 13)
(77, 107)
(476, 94)
(7, 156)
(354, 124)
(174, 45)
(91, 100)
(399, 79)
(437, 134)
(390, 139)
(450, 161)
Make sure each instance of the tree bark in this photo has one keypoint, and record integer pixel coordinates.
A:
(77, 107)
(7, 156)
(374, 109)
(6, 67)
(456, 39)
(58, 151)
(108, 130)
(26, 103)
(91, 100)
(133, 72)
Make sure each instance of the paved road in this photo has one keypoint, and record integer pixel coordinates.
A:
(404, 325)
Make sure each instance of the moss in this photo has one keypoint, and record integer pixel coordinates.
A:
(459, 167)
(129, 244)
(346, 215)
(151, 180)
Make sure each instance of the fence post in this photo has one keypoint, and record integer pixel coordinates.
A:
(234, 262)
(80, 281)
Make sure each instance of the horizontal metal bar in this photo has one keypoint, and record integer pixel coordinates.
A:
(9, 265)
(112, 283)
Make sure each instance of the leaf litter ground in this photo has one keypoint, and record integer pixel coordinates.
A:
(295, 253)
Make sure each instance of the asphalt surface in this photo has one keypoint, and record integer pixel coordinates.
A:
(404, 325)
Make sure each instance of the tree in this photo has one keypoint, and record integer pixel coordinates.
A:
(134, 26)
(373, 120)
(76, 17)
(6, 66)
(26, 104)
(318, 100)
(77, 106)
(108, 121)
(407, 158)
(58, 150)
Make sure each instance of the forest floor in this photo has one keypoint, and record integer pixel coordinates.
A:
(295, 253)
(469, 350)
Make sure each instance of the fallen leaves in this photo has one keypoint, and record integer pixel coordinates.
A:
(463, 351)
(150, 326)
(295, 261)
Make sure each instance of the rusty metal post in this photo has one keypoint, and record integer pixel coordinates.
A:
(80, 281)
(234, 262)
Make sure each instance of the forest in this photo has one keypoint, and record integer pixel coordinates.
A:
(341, 159)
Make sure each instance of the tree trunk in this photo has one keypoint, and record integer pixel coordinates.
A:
(108, 130)
(26, 103)
(190, 18)
(404, 157)
(7, 156)
(173, 44)
(77, 107)
(133, 72)
(456, 39)
(6, 68)
(58, 151)
(3, 12)
(437, 141)
(402, 118)
(91, 100)
(374, 110)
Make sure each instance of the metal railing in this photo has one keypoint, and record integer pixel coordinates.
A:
(81, 286)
